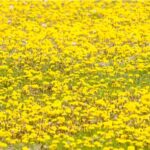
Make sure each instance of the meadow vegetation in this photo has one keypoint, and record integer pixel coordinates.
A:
(74, 74)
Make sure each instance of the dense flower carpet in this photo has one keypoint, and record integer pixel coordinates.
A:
(74, 74)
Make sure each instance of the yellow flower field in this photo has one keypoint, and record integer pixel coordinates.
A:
(74, 74)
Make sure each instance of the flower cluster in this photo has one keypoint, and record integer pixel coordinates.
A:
(74, 74)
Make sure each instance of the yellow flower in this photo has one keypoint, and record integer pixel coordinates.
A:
(25, 148)
(131, 148)
(3, 145)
